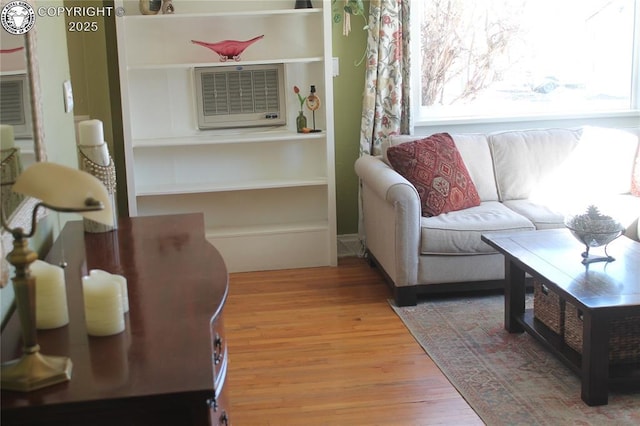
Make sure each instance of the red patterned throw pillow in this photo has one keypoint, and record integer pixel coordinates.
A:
(434, 166)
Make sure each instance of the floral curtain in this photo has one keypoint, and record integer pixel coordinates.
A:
(385, 109)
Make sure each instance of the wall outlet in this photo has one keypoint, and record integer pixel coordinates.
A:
(67, 92)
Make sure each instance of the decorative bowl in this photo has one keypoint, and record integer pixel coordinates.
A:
(228, 49)
(594, 229)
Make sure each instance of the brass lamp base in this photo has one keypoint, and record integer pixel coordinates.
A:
(35, 371)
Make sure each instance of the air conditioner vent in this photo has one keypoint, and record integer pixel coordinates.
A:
(15, 106)
(240, 96)
(11, 103)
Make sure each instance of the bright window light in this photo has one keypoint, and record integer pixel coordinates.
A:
(515, 58)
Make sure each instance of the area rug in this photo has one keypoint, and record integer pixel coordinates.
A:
(508, 379)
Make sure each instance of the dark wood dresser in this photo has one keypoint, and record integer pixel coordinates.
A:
(169, 365)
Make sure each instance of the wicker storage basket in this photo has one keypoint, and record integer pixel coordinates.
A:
(548, 307)
(624, 341)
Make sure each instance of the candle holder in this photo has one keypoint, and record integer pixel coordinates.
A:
(61, 189)
(11, 168)
(94, 158)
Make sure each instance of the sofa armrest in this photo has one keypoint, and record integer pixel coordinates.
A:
(391, 216)
(633, 231)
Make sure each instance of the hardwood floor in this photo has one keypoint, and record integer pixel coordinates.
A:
(322, 346)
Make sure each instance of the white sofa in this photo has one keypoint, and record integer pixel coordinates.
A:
(526, 180)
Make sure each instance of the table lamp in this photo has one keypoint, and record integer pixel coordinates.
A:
(61, 189)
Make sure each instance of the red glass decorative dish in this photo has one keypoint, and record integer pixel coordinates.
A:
(228, 49)
(15, 49)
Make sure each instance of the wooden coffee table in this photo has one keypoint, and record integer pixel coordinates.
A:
(604, 292)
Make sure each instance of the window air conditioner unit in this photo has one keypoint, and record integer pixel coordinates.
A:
(240, 96)
(15, 106)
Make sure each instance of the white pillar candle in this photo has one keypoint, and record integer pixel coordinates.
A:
(102, 305)
(122, 282)
(90, 132)
(125, 291)
(51, 295)
(7, 141)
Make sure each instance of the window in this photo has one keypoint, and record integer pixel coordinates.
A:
(502, 59)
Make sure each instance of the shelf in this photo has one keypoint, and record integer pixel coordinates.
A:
(136, 19)
(244, 231)
(232, 136)
(273, 247)
(267, 193)
(13, 72)
(189, 65)
(552, 341)
(230, 186)
(618, 373)
(172, 36)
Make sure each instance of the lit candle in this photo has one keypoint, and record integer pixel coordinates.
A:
(90, 132)
(51, 295)
(7, 140)
(102, 305)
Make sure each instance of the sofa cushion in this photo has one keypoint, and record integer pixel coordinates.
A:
(435, 168)
(459, 232)
(524, 159)
(600, 166)
(625, 208)
(474, 150)
(542, 216)
(603, 161)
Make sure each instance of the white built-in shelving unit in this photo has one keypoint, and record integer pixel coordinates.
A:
(267, 193)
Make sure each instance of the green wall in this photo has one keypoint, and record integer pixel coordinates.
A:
(347, 94)
(58, 126)
(59, 131)
(90, 64)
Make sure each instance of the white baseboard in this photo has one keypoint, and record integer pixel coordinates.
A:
(349, 245)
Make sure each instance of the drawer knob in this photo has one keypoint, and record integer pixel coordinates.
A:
(217, 349)
(212, 403)
(224, 419)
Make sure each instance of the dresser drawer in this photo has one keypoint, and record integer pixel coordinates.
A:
(218, 352)
(219, 409)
